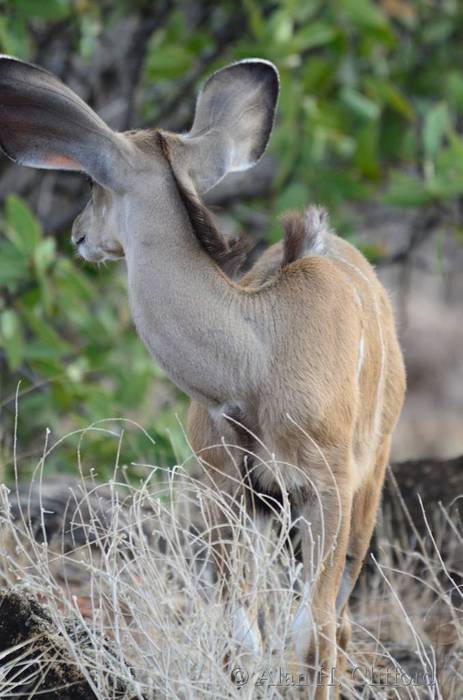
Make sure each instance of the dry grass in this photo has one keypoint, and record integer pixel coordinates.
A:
(128, 581)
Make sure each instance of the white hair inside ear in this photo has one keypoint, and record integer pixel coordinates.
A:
(234, 117)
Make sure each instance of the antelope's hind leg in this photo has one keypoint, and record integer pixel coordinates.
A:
(325, 525)
(364, 512)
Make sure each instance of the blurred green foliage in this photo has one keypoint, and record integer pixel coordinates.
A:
(66, 335)
(371, 107)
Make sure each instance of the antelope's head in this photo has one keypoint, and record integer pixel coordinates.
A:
(44, 124)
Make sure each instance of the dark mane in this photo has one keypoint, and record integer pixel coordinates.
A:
(229, 255)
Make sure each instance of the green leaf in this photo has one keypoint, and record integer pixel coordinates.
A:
(254, 17)
(44, 9)
(316, 34)
(276, 231)
(295, 196)
(436, 125)
(36, 350)
(455, 89)
(14, 38)
(407, 191)
(11, 338)
(46, 293)
(362, 106)
(72, 282)
(392, 96)
(45, 333)
(22, 228)
(366, 156)
(90, 29)
(397, 100)
(447, 180)
(374, 252)
(363, 13)
(44, 254)
(302, 11)
(169, 62)
(280, 27)
(438, 32)
(319, 75)
(14, 266)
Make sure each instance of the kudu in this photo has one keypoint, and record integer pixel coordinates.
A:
(297, 359)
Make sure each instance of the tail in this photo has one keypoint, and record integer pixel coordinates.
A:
(305, 234)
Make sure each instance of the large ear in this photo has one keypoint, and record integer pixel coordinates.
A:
(44, 124)
(233, 121)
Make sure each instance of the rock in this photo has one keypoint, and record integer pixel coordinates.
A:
(48, 670)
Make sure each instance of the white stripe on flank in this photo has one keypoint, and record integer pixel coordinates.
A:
(361, 356)
(382, 373)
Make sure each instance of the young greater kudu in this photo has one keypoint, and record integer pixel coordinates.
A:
(298, 359)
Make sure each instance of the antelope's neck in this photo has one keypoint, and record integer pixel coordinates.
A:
(194, 321)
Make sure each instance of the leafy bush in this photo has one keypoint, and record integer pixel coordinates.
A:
(66, 334)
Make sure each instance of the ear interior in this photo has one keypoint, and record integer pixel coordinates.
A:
(44, 124)
(234, 117)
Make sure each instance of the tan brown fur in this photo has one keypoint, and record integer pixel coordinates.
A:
(302, 350)
(348, 419)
